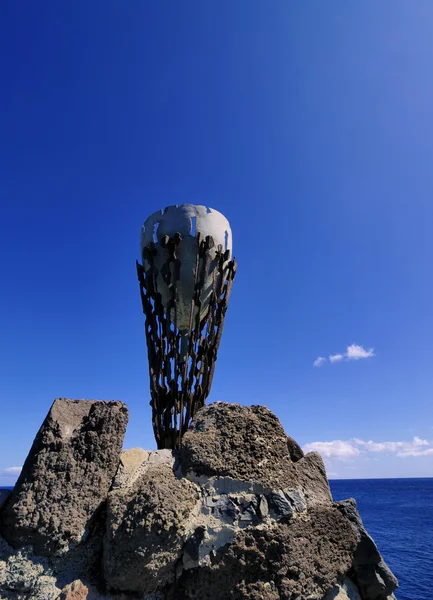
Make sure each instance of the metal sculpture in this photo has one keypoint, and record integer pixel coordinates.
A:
(185, 280)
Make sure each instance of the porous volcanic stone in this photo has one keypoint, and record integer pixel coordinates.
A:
(242, 442)
(146, 524)
(248, 443)
(311, 478)
(66, 476)
(300, 560)
(373, 577)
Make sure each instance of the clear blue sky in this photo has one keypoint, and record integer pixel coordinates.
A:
(308, 124)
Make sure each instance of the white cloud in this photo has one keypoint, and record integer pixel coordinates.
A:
(415, 452)
(350, 449)
(337, 449)
(11, 471)
(320, 360)
(417, 447)
(355, 352)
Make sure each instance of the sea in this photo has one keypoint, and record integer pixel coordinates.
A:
(398, 514)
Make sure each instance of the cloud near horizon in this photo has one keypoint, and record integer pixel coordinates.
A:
(346, 450)
(10, 472)
(353, 352)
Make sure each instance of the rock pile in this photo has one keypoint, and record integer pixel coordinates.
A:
(237, 513)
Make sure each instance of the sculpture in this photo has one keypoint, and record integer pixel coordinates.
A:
(185, 281)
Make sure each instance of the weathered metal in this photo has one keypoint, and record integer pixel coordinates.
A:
(182, 359)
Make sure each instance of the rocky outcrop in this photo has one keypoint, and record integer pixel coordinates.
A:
(238, 512)
(310, 476)
(146, 525)
(372, 575)
(298, 558)
(249, 444)
(244, 443)
(66, 477)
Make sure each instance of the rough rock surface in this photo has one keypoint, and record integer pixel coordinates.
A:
(206, 522)
(66, 477)
(311, 478)
(372, 575)
(302, 559)
(25, 577)
(130, 461)
(295, 450)
(249, 444)
(145, 527)
(347, 590)
(221, 433)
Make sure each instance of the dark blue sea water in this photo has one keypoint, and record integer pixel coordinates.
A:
(398, 514)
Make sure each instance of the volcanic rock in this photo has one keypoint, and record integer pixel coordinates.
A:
(249, 444)
(238, 512)
(372, 575)
(146, 524)
(66, 477)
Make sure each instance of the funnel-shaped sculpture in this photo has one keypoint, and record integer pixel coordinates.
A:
(185, 282)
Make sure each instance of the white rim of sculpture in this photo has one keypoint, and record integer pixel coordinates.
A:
(188, 220)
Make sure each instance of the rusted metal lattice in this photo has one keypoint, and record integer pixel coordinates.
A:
(181, 364)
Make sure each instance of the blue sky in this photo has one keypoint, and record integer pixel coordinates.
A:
(309, 125)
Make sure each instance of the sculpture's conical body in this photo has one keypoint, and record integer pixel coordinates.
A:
(185, 282)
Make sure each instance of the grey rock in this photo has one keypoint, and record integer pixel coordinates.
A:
(23, 576)
(297, 559)
(373, 577)
(296, 499)
(263, 507)
(235, 516)
(247, 511)
(347, 590)
(66, 476)
(146, 527)
(161, 457)
(222, 506)
(312, 480)
(279, 506)
(226, 485)
(249, 444)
